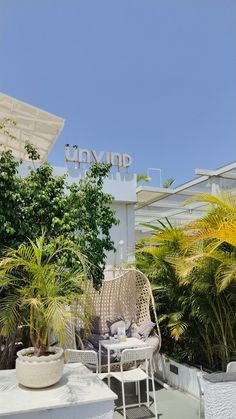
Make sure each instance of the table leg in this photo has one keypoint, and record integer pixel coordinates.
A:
(99, 358)
(109, 367)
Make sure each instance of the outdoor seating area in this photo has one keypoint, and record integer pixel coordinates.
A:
(124, 340)
(125, 300)
(71, 397)
(122, 380)
(109, 330)
(117, 267)
(134, 364)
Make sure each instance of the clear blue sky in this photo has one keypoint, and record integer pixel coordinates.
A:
(153, 78)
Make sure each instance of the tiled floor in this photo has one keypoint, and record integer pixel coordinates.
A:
(171, 404)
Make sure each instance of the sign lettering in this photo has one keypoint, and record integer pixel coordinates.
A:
(83, 156)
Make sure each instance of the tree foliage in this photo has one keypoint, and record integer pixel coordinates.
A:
(79, 215)
(41, 201)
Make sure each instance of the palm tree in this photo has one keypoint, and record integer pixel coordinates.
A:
(154, 258)
(38, 291)
(168, 182)
(143, 177)
(213, 236)
(219, 223)
(197, 321)
(211, 240)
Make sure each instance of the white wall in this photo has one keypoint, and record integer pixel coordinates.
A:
(124, 231)
(122, 186)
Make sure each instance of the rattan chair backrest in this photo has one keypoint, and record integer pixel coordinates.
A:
(127, 295)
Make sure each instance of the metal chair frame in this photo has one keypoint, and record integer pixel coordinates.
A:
(137, 374)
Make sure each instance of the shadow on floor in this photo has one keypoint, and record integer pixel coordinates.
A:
(171, 404)
(138, 413)
(142, 412)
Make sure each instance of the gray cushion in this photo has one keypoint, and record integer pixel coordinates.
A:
(153, 341)
(145, 328)
(88, 346)
(94, 339)
(95, 325)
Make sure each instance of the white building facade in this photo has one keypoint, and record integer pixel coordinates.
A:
(122, 186)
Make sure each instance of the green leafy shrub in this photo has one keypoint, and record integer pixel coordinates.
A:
(192, 272)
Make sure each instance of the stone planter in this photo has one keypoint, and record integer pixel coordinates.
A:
(219, 395)
(39, 372)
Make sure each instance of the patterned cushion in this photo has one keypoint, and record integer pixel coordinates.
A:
(134, 331)
(142, 331)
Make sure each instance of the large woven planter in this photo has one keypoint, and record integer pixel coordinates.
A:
(39, 372)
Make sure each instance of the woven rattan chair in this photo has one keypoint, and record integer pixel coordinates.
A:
(127, 294)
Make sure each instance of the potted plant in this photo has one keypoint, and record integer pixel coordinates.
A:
(39, 292)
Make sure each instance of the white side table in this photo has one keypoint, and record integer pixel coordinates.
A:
(111, 345)
(79, 394)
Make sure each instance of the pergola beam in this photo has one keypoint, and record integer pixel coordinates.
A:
(162, 203)
(213, 173)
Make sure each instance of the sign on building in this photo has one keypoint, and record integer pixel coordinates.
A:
(74, 154)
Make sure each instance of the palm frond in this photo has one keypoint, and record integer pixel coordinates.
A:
(226, 272)
(9, 313)
(44, 287)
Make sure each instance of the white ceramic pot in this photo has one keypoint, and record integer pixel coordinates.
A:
(39, 372)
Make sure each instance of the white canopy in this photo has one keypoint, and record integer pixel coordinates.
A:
(33, 125)
(155, 204)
